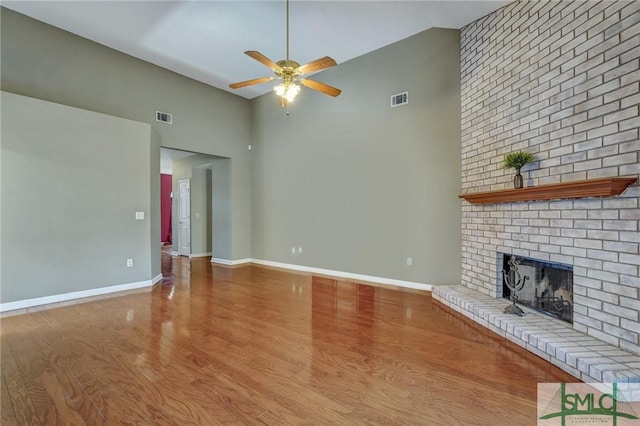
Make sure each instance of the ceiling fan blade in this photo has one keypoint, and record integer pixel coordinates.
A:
(263, 59)
(317, 65)
(320, 87)
(250, 82)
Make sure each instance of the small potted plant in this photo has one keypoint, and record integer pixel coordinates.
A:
(517, 160)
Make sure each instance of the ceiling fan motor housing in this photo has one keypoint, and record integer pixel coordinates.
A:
(288, 66)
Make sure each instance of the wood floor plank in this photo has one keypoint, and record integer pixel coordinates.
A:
(62, 359)
(7, 415)
(173, 374)
(32, 371)
(23, 407)
(114, 376)
(261, 346)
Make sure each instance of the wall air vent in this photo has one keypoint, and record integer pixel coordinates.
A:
(399, 99)
(164, 117)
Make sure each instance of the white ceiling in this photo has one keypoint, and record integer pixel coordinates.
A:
(205, 40)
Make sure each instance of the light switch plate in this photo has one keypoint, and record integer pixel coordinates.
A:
(139, 215)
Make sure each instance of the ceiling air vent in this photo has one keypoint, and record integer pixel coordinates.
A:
(399, 99)
(164, 117)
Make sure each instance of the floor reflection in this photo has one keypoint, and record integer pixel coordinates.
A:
(212, 344)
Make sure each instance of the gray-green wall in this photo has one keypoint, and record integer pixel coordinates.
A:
(72, 181)
(358, 185)
(47, 63)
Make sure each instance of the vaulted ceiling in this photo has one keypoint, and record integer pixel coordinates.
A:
(205, 40)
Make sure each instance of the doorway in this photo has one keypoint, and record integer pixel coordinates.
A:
(169, 199)
(200, 210)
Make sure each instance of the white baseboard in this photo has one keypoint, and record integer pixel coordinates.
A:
(347, 275)
(174, 253)
(230, 262)
(65, 297)
(199, 255)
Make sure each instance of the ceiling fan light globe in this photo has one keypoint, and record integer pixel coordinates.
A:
(287, 91)
(279, 89)
(292, 92)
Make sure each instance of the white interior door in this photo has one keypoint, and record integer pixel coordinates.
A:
(184, 218)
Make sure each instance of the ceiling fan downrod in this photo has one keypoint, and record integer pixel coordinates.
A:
(287, 30)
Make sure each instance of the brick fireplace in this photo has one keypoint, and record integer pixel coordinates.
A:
(559, 79)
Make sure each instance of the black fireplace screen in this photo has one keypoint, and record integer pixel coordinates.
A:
(548, 288)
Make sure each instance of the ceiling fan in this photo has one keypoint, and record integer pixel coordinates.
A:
(291, 73)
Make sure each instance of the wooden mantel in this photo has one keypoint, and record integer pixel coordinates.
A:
(578, 189)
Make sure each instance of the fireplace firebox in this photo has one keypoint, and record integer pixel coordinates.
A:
(548, 286)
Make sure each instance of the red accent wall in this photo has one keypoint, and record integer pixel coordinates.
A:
(165, 208)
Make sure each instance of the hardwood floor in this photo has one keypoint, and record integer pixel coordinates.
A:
(212, 345)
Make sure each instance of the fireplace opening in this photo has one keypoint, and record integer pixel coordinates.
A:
(546, 286)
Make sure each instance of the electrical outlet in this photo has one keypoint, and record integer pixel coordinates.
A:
(409, 261)
(129, 263)
(299, 249)
(293, 250)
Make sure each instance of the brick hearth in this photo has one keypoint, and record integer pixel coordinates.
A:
(585, 357)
